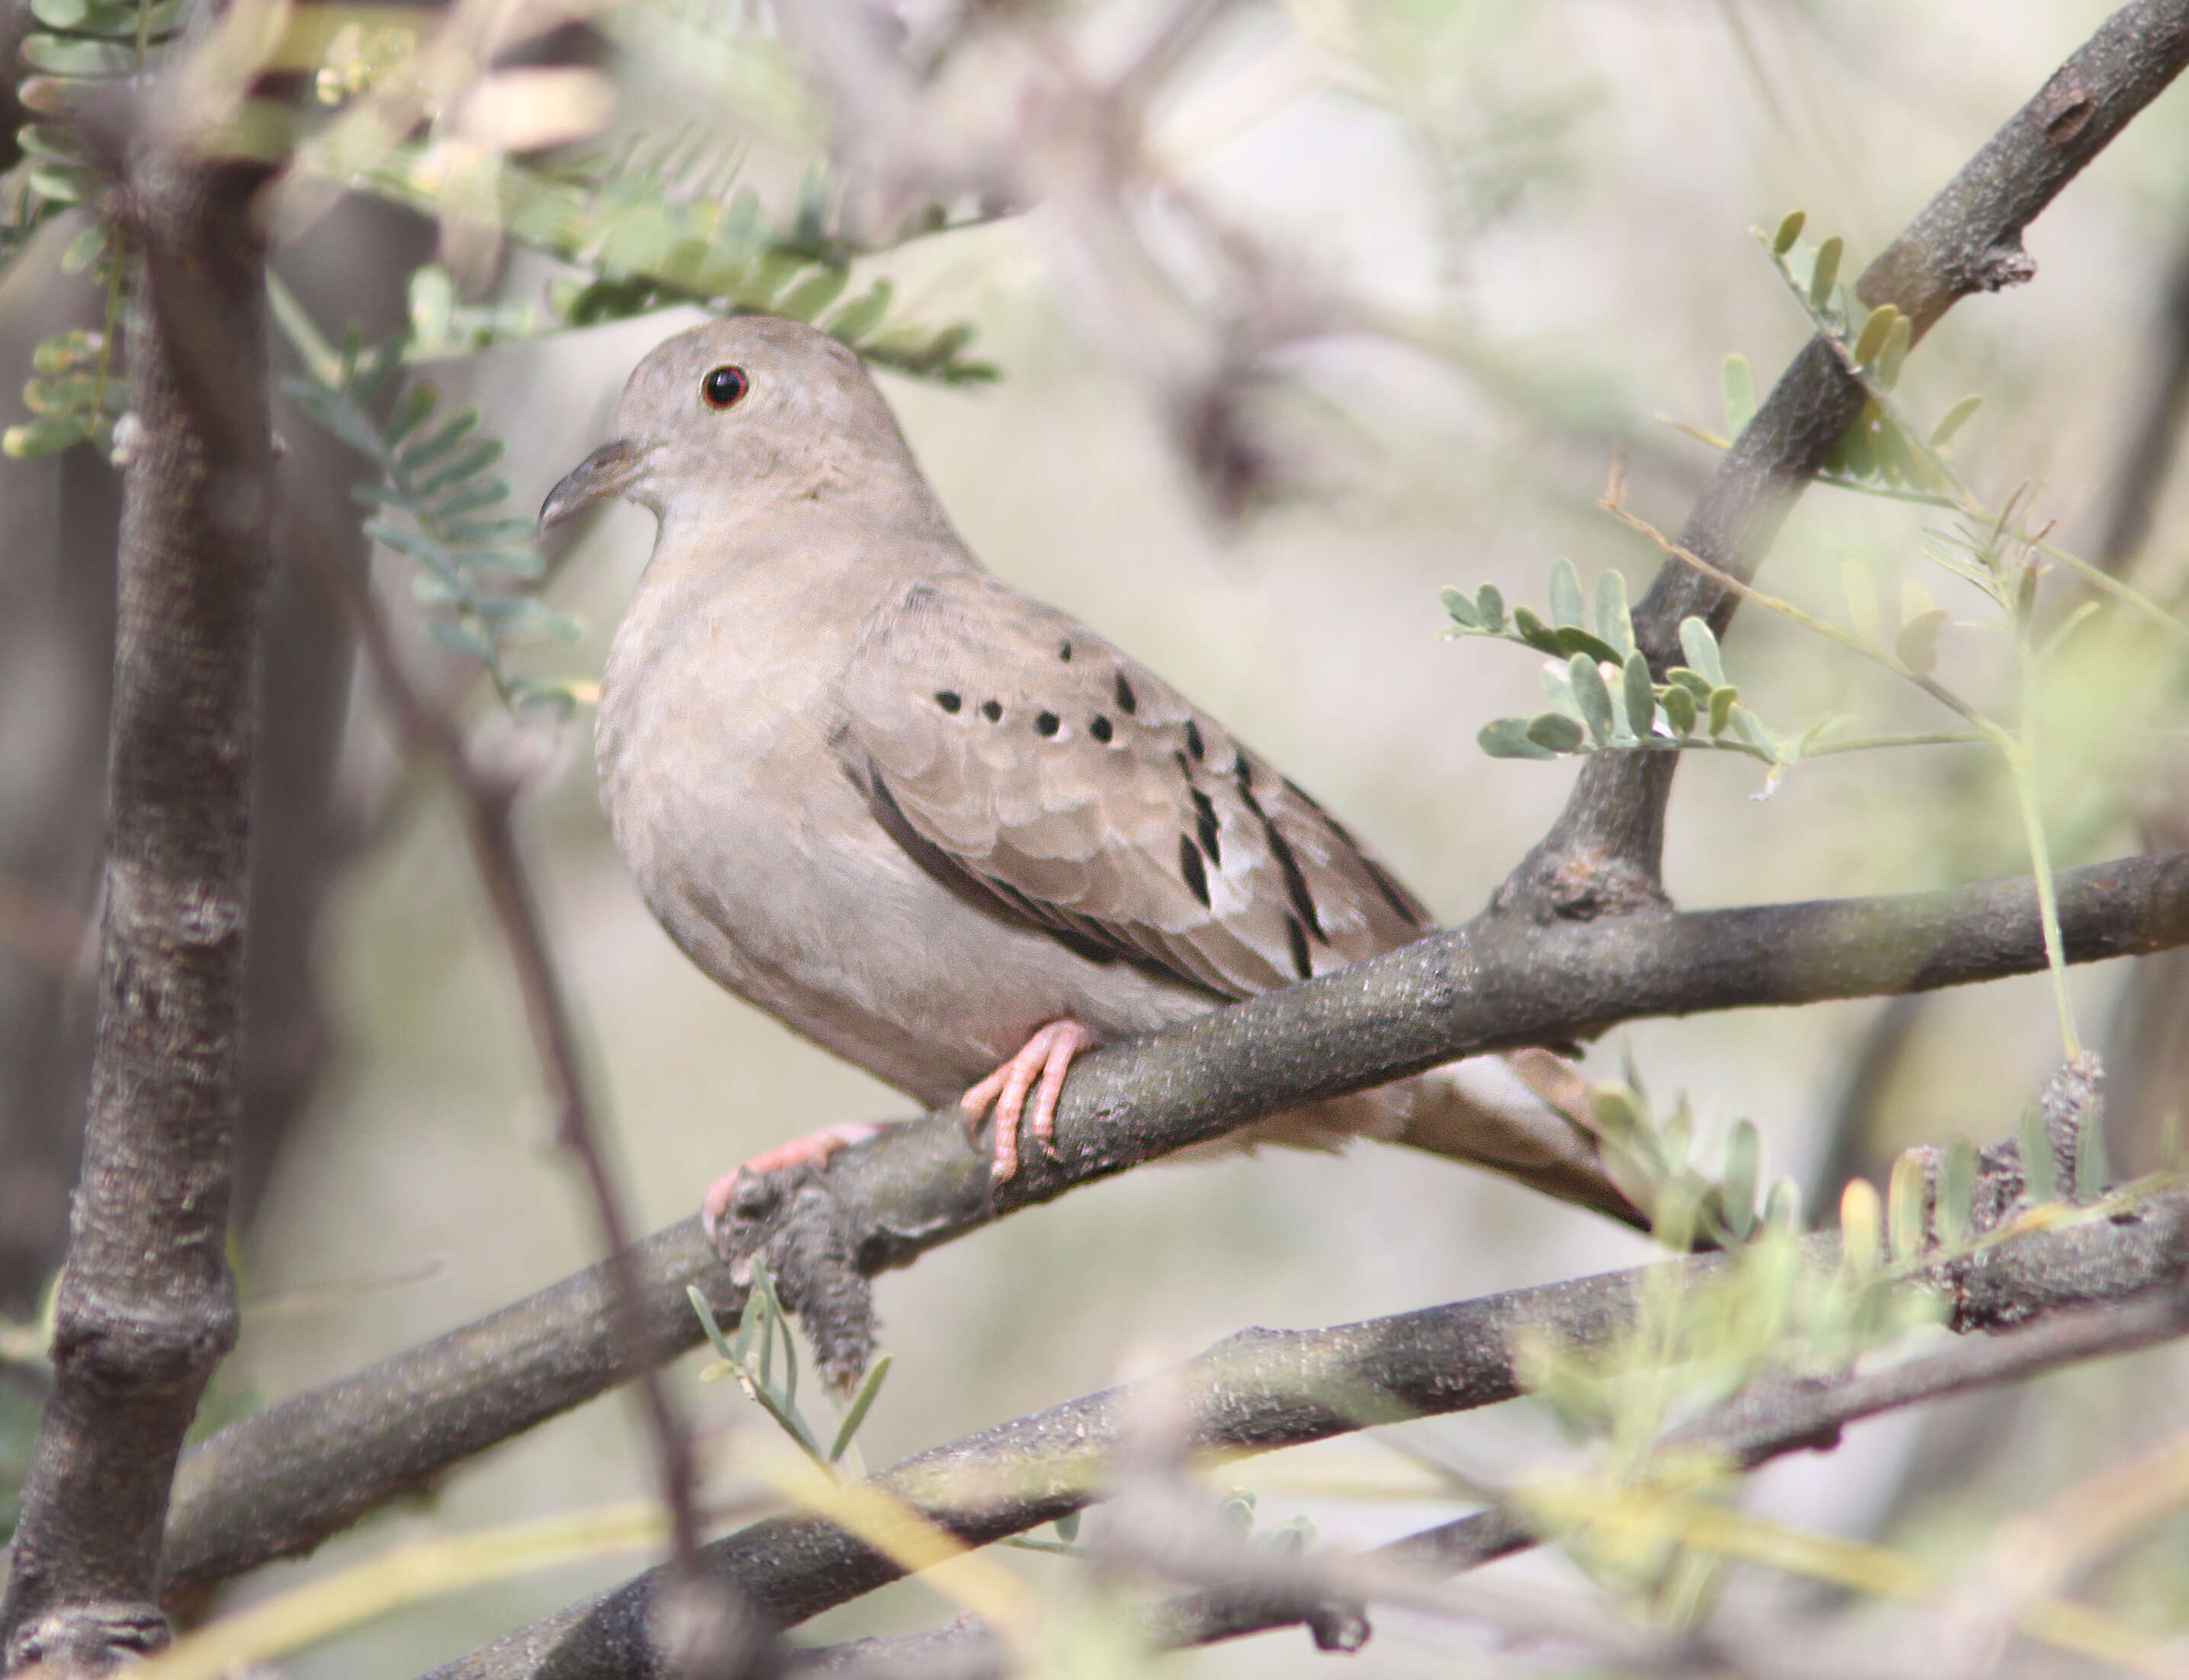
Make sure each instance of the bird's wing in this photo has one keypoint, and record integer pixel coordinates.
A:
(1032, 767)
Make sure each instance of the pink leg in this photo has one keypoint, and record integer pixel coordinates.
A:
(813, 1150)
(1043, 1060)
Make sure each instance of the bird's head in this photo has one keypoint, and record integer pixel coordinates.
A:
(738, 413)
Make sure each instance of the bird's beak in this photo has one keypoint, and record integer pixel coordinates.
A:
(608, 470)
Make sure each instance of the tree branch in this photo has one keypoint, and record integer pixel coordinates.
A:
(147, 1306)
(277, 1483)
(1605, 854)
(1772, 1421)
(1263, 1389)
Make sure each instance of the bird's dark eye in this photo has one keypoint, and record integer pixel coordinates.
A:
(724, 386)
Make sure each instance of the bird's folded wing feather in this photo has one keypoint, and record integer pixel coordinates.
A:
(1034, 768)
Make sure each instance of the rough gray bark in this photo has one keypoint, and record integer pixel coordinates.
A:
(147, 1305)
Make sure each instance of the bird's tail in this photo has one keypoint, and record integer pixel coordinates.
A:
(1519, 1115)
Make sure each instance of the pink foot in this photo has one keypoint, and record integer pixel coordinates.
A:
(813, 1150)
(1043, 1060)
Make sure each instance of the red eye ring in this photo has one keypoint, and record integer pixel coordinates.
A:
(725, 387)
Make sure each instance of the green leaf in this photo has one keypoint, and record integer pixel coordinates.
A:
(478, 494)
(1641, 697)
(1721, 702)
(48, 435)
(1906, 1191)
(62, 183)
(1860, 1218)
(1953, 420)
(1591, 696)
(1869, 343)
(1957, 1183)
(1534, 631)
(2039, 1172)
(60, 14)
(858, 318)
(1782, 1208)
(1556, 731)
(1565, 595)
(1895, 353)
(1679, 703)
(86, 248)
(1460, 606)
(1490, 603)
(1700, 647)
(460, 636)
(1751, 728)
(410, 413)
(2092, 1170)
(1917, 644)
(78, 57)
(1572, 639)
(433, 304)
(1744, 1155)
(438, 442)
(1789, 231)
(1614, 624)
(1826, 273)
(810, 296)
(469, 464)
(699, 1306)
(1739, 381)
(1507, 738)
(856, 1413)
(1697, 685)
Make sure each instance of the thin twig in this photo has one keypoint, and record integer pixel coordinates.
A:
(487, 803)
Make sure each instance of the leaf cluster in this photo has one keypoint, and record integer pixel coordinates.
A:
(771, 1382)
(660, 224)
(1604, 696)
(438, 503)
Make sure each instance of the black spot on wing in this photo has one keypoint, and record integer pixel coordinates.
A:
(1101, 729)
(1189, 865)
(993, 710)
(1204, 824)
(948, 698)
(1193, 739)
(1048, 723)
(1128, 701)
(1403, 904)
(1302, 965)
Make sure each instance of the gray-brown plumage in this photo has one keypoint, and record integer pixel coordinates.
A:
(917, 815)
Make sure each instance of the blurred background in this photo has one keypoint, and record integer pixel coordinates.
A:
(1384, 287)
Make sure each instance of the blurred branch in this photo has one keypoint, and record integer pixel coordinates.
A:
(1603, 856)
(1773, 1421)
(147, 1305)
(279, 1482)
(1263, 1389)
(488, 802)
(2154, 439)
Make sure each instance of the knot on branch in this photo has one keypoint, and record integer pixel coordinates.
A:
(1580, 884)
(809, 1241)
(86, 1637)
(132, 1344)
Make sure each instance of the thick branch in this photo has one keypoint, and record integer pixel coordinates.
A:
(279, 1482)
(1264, 1389)
(1603, 856)
(147, 1306)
